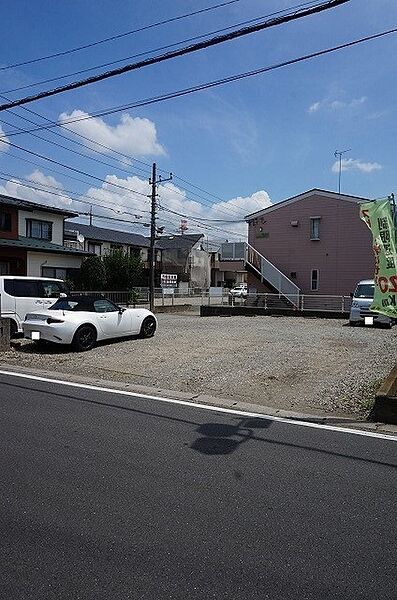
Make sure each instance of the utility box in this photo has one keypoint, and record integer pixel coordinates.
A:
(4, 334)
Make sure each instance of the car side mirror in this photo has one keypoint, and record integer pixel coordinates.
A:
(351, 294)
(121, 310)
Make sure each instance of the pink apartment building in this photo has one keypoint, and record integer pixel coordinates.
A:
(316, 239)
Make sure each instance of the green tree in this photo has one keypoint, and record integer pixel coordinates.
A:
(92, 274)
(123, 271)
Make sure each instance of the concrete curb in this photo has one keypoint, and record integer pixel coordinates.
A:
(385, 407)
(322, 419)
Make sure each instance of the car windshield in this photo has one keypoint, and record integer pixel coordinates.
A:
(78, 304)
(365, 290)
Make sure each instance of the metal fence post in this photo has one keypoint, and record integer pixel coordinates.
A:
(302, 303)
(343, 304)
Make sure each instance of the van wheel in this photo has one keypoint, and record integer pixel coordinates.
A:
(84, 338)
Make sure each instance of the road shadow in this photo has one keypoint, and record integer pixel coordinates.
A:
(219, 438)
(43, 347)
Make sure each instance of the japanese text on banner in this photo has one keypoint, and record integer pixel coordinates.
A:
(378, 216)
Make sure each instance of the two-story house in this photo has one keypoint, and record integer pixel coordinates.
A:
(32, 240)
(185, 256)
(313, 243)
(101, 241)
(181, 255)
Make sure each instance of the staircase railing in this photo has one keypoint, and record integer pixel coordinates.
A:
(268, 272)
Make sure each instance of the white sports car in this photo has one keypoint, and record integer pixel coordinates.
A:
(83, 320)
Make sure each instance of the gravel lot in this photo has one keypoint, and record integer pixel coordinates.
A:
(291, 363)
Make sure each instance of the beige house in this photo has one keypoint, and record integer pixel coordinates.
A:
(32, 240)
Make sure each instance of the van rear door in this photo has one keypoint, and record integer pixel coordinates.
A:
(32, 294)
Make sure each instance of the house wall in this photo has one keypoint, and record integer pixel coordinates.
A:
(200, 270)
(343, 254)
(56, 220)
(37, 260)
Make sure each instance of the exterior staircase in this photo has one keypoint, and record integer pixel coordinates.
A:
(268, 274)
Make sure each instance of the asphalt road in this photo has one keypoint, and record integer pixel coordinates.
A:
(114, 497)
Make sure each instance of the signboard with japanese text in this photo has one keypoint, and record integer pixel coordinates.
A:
(169, 280)
(378, 216)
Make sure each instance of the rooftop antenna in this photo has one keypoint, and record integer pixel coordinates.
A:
(339, 153)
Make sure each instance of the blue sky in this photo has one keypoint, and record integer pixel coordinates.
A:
(248, 143)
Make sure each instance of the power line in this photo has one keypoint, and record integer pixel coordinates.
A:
(68, 176)
(58, 134)
(71, 194)
(117, 36)
(176, 53)
(91, 158)
(198, 221)
(46, 188)
(51, 160)
(120, 168)
(210, 84)
(158, 49)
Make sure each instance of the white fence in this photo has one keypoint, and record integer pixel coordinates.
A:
(222, 297)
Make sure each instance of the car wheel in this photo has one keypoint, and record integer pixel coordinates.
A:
(84, 338)
(148, 327)
(352, 323)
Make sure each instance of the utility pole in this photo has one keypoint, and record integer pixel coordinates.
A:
(152, 255)
(339, 153)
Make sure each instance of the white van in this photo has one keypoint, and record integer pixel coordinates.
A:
(362, 299)
(20, 295)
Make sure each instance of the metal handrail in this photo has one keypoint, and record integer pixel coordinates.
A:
(289, 290)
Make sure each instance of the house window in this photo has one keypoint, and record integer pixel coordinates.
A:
(315, 228)
(5, 221)
(55, 272)
(314, 280)
(5, 268)
(41, 230)
(95, 248)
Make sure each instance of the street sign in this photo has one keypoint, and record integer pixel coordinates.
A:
(169, 280)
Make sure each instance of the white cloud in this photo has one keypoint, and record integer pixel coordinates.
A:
(314, 107)
(132, 135)
(18, 189)
(174, 199)
(356, 164)
(336, 105)
(4, 145)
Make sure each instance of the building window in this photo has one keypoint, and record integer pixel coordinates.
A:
(95, 248)
(315, 228)
(5, 221)
(314, 280)
(41, 230)
(5, 268)
(54, 272)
